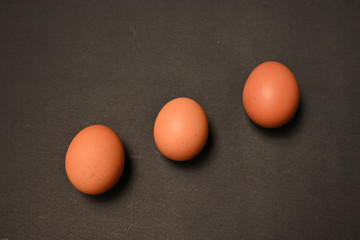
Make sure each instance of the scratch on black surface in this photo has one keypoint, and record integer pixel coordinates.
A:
(88, 124)
(133, 31)
(155, 151)
(132, 209)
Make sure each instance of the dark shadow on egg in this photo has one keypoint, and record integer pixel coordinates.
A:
(199, 160)
(286, 130)
(120, 187)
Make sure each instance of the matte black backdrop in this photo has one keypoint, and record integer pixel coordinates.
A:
(67, 64)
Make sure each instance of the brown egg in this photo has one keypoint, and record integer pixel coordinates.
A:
(271, 95)
(95, 160)
(181, 129)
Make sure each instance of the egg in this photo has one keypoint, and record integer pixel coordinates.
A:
(95, 160)
(271, 95)
(181, 129)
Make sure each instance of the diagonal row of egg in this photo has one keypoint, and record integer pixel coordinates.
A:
(95, 158)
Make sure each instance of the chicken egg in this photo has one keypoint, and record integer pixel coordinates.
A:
(271, 95)
(181, 129)
(95, 160)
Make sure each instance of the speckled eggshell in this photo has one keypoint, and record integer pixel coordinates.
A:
(95, 160)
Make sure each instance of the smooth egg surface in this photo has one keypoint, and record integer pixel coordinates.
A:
(271, 95)
(181, 129)
(95, 160)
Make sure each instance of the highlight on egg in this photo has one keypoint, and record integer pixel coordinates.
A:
(181, 129)
(95, 160)
(271, 95)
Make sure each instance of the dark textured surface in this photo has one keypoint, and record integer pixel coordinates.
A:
(64, 65)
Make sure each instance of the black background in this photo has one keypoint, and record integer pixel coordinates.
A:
(67, 64)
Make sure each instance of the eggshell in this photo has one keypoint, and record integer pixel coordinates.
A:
(95, 160)
(271, 95)
(181, 129)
